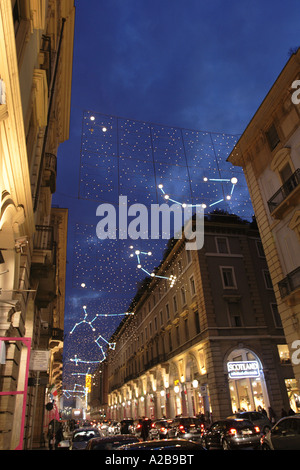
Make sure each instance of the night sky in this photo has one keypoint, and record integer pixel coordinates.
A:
(174, 84)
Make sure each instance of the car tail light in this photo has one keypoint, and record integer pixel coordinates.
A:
(152, 425)
(138, 426)
(181, 427)
(162, 429)
(232, 432)
(256, 429)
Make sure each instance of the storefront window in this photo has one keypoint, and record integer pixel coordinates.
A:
(284, 353)
(246, 382)
(293, 394)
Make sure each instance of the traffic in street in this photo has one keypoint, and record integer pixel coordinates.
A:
(183, 434)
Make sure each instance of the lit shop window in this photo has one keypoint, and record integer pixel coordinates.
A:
(284, 353)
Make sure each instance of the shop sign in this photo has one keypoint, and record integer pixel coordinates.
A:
(88, 383)
(243, 369)
(39, 360)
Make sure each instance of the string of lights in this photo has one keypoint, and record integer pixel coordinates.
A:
(121, 156)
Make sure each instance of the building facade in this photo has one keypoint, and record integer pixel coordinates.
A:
(211, 344)
(36, 55)
(269, 153)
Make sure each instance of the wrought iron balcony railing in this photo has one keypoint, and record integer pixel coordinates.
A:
(290, 283)
(286, 189)
(43, 237)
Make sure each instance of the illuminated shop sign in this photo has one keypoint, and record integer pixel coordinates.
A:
(243, 369)
(88, 383)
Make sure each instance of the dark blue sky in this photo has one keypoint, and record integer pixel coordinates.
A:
(203, 65)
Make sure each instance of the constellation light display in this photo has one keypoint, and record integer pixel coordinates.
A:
(228, 196)
(131, 157)
(138, 253)
(121, 156)
(90, 323)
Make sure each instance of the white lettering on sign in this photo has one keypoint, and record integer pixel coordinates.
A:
(243, 369)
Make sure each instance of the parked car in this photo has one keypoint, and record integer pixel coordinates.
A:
(114, 428)
(104, 425)
(186, 428)
(81, 437)
(160, 429)
(231, 434)
(258, 419)
(285, 435)
(63, 445)
(126, 426)
(111, 442)
(164, 444)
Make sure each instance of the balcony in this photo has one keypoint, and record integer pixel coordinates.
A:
(43, 264)
(50, 171)
(289, 287)
(57, 338)
(287, 196)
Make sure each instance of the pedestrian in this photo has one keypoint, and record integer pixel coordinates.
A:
(272, 416)
(283, 413)
(59, 436)
(145, 430)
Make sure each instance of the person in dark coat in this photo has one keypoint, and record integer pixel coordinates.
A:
(59, 435)
(145, 430)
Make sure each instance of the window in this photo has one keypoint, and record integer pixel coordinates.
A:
(197, 321)
(179, 267)
(260, 249)
(183, 296)
(161, 317)
(177, 335)
(188, 256)
(186, 329)
(284, 353)
(170, 341)
(272, 136)
(268, 280)
(285, 173)
(146, 333)
(168, 311)
(192, 285)
(276, 316)
(175, 304)
(150, 329)
(228, 277)
(235, 314)
(155, 323)
(222, 245)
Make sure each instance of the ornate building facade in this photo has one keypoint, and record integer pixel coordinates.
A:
(269, 153)
(36, 55)
(213, 343)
